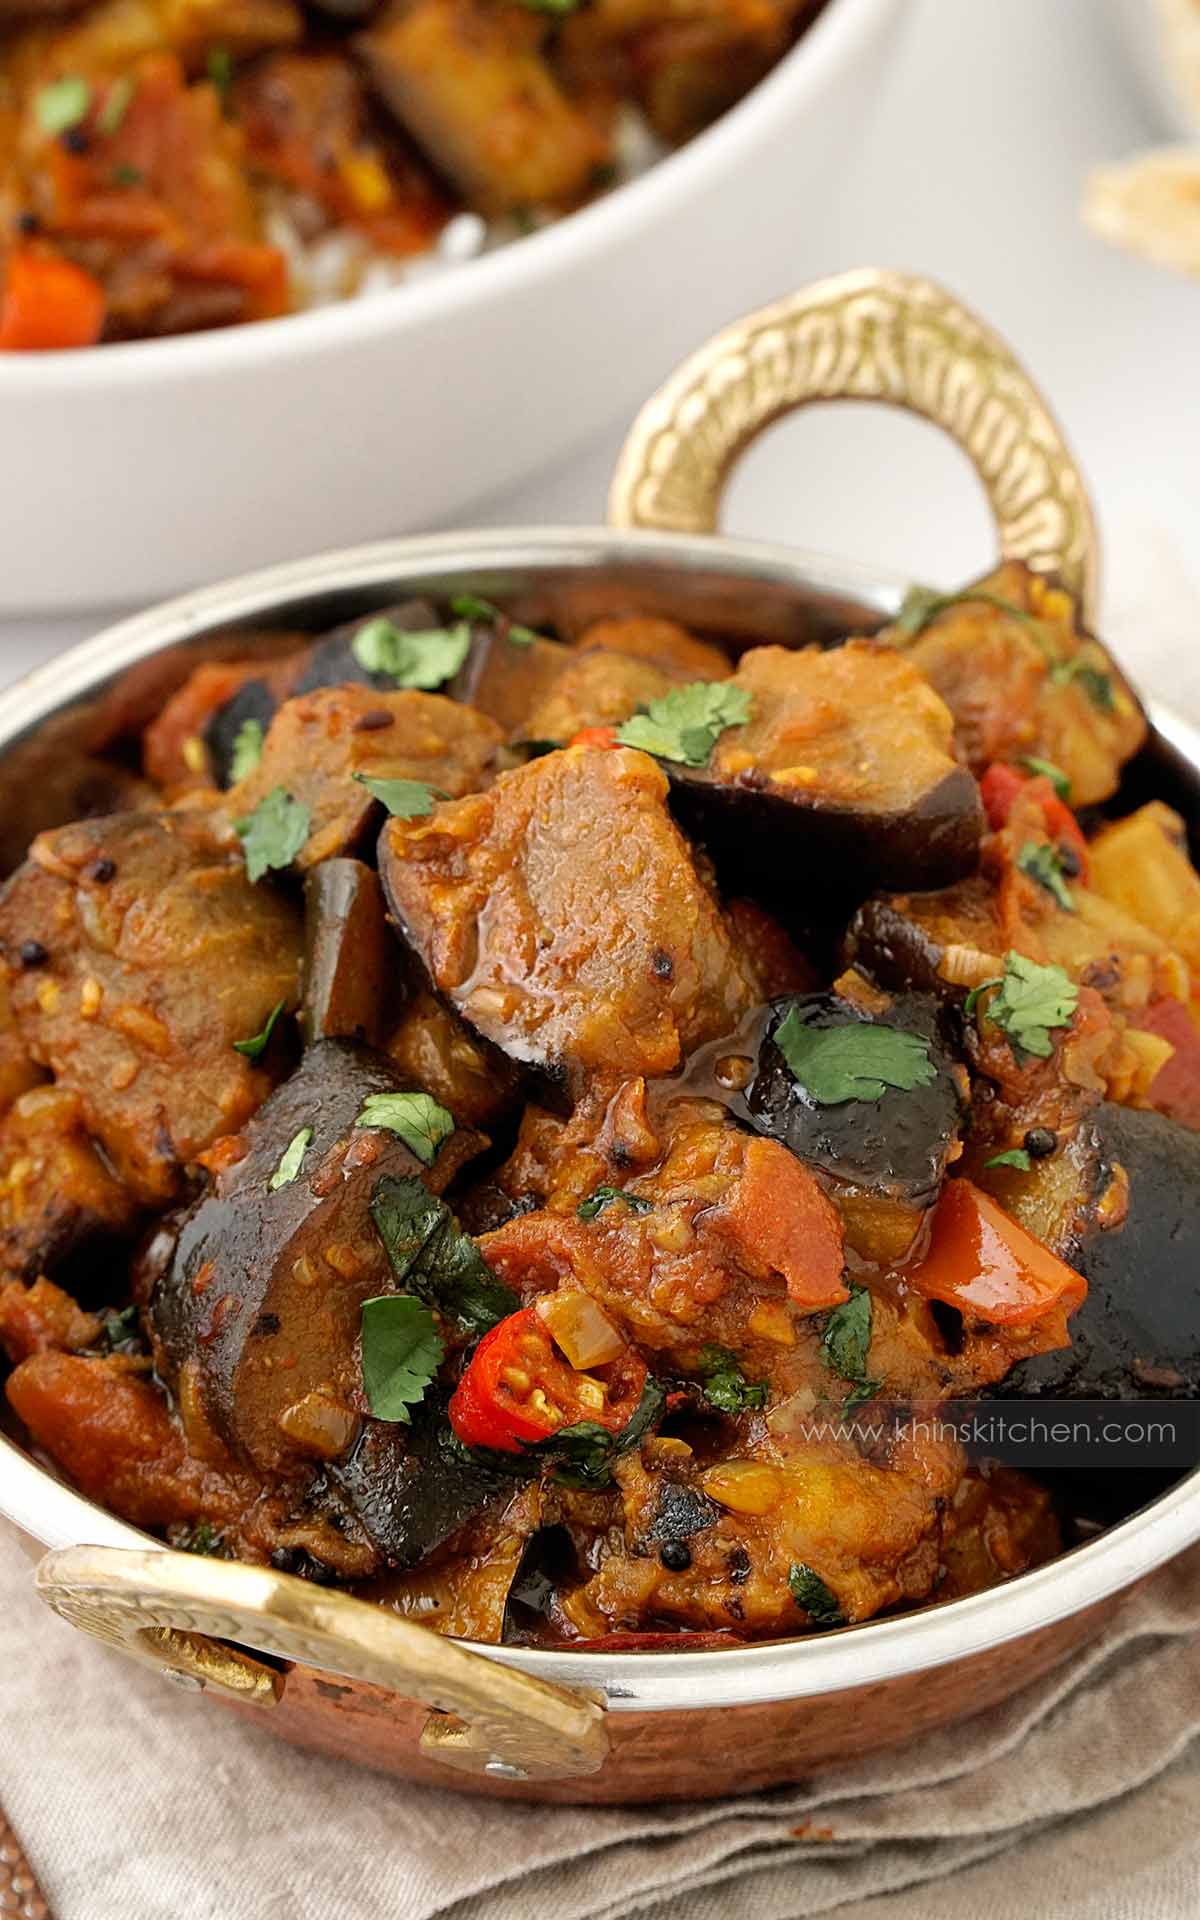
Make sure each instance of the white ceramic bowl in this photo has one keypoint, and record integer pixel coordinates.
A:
(138, 469)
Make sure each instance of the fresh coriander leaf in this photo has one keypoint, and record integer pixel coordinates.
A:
(1042, 863)
(432, 1257)
(725, 1385)
(289, 1165)
(684, 724)
(124, 176)
(121, 1329)
(404, 799)
(202, 1538)
(415, 1117)
(468, 606)
(583, 1455)
(62, 104)
(116, 104)
(813, 1597)
(401, 1353)
(219, 67)
(859, 1395)
(1015, 1157)
(1048, 771)
(857, 1061)
(256, 1046)
(846, 1341)
(1032, 999)
(247, 750)
(922, 605)
(424, 660)
(274, 833)
(1097, 684)
(601, 1197)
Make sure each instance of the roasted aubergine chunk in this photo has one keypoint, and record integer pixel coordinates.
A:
(563, 915)
(883, 1144)
(847, 762)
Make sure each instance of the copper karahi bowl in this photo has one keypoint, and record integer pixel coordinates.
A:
(334, 1673)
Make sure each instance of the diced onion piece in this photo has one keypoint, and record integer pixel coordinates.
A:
(787, 1418)
(579, 1327)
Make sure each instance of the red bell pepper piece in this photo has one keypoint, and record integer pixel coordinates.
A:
(1175, 1088)
(518, 1389)
(1003, 785)
(983, 1262)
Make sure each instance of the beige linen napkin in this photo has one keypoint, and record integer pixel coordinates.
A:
(1077, 1800)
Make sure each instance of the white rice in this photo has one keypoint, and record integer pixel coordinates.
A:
(325, 265)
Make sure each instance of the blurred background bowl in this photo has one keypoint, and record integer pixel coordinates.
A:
(1161, 39)
(151, 466)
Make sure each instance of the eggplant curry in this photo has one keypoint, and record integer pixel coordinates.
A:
(515, 1124)
(170, 165)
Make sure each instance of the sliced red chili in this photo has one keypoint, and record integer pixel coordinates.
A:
(1002, 785)
(518, 1389)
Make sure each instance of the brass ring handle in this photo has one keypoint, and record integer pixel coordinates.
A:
(869, 335)
(174, 1611)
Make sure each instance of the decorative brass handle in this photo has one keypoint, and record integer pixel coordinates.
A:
(869, 335)
(174, 1611)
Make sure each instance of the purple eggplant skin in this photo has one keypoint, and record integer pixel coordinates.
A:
(410, 1488)
(351, 957)
(1137, 1334)
(895, 951)
(768, 836)
(897, 1147)
(243, 1297)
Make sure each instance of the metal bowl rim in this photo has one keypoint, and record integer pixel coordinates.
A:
(55, 1515)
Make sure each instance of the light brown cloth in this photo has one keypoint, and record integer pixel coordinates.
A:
(1078, 1800)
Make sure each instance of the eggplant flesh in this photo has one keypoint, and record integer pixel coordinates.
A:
(886, 1157)
(348, 949)
(255, 1294)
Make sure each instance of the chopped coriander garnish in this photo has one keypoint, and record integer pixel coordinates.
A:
(857, 1061)
(127, 176)
(415, 1117)
(116, 105)
(401, 1353)
(274, 833)
(1031, 1000)
(583, 1455)
(1097, 684)
(424, 660)
(1048, 771)
(468, 606)
(247, 749)
(725, 1385)
(218, 66)
(290, 1160)
(1042, 863)
(62, 104)
(432, 1257)
(404, 799)
(256, 1045)
(922, 605)
(121, 1329)
(684, 724)
(202, 1538)
(601, 1197)
(813, 1597)
(1015, 1157)
(846, 1346)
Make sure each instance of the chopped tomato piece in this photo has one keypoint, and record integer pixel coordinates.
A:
(595, 737)
(518, 1389)
(48, 303)
(982, 1262)
(1003, 785)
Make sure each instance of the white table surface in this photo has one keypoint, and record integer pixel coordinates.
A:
(971, 172)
